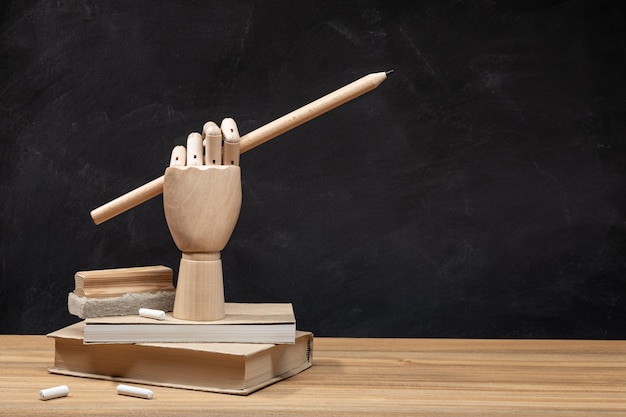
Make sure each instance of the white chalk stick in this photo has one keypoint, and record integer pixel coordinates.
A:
(134, 391)
(55, 392)
(152, 314)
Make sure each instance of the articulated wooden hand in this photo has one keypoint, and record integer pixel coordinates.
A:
(202, 200)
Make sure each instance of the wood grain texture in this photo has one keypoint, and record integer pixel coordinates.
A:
(102, 283)
(357, 377)
(202, 206)
(200, 290)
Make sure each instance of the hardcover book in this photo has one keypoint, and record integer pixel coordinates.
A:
(232, 368)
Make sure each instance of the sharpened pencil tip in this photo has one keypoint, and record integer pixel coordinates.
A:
(389, 72)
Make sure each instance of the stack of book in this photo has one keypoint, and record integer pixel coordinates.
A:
(254, 346)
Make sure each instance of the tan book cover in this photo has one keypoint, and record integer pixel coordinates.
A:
(244, 323)
(232, 368)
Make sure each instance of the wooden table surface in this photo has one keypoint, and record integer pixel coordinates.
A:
(357, 377)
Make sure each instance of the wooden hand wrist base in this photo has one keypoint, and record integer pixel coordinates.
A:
(200, 289)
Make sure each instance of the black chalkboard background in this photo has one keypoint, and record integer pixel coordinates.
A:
(478, 192)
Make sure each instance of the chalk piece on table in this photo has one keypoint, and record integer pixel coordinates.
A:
(134, 391)
(54, 392)
(152, 314)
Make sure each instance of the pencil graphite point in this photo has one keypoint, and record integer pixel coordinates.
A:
(389, 72)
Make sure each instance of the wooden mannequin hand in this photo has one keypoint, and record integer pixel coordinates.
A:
(202, 200)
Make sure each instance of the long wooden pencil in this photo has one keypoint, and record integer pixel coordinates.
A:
(251, 140)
